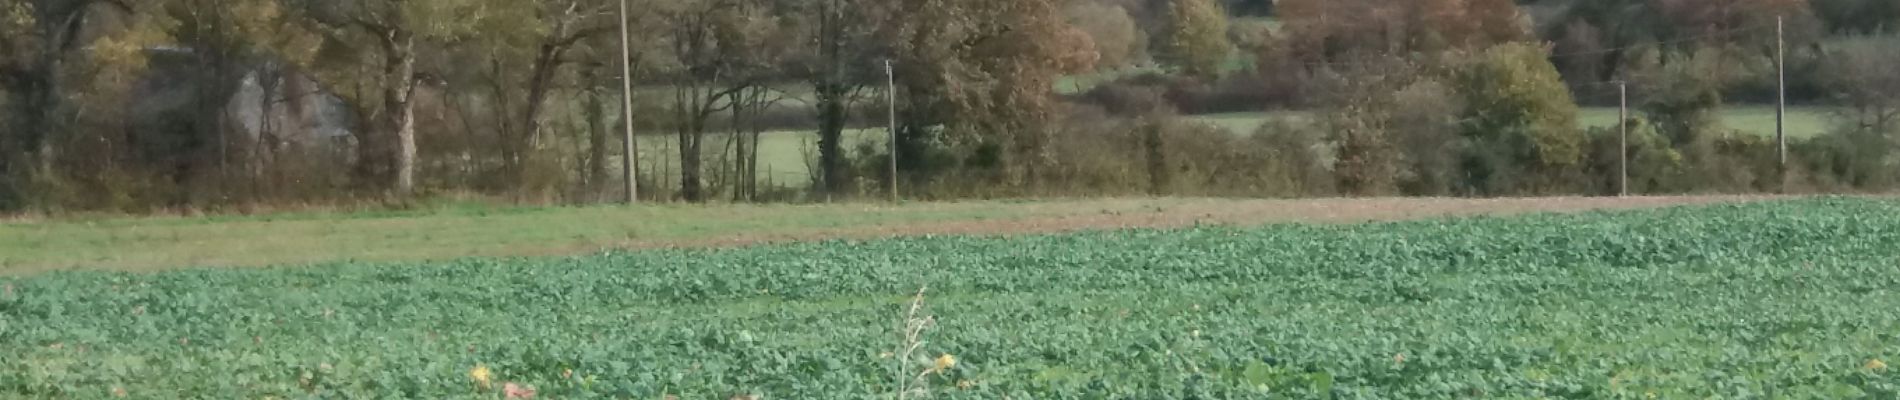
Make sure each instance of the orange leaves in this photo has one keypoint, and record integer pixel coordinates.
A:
(1110, 31)
(1076, 51)
(1469, 24)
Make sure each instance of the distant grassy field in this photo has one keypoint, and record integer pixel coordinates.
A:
(1248, 122)
(1759, 120)
(784, 155)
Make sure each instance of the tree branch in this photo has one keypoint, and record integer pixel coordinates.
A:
(579, 35)
(707, 108)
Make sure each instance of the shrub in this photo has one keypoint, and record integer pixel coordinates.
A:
(1424, 123)
(1520, 120)
(1847, 159)
(1655, 167)
(1298, 162)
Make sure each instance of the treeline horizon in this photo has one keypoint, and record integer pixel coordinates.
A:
(138, 106)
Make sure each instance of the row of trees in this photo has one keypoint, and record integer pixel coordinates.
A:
(134, 105)
(497, 96)
(1481, 97)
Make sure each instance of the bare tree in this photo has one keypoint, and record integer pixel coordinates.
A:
(718, 49)
(388, 33)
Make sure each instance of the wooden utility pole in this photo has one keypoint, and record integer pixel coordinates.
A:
(890, 97)
(629, 149)
(1623, 139)
(1781, 99)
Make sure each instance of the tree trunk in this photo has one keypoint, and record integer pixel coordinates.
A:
(399, 73)
(752, 183)
(207, 133)
(540, 78)
(596, 171)
(752, 153)
(831, 89)
(691, 124)
(268, 80)
(506, 132)
(739, 151)
(690, 186)
(833, 177)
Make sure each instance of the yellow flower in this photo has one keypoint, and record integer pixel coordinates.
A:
(945, 362)
(1876, 365)
(481, 375)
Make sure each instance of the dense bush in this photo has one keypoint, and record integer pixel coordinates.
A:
(1521, 121)
(1126, 138)
(1849, 159)
(1497, 125)
(1655, 167)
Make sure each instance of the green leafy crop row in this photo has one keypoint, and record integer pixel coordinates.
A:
(1788, 299)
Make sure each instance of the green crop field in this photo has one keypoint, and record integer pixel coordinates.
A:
(1786, 299)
